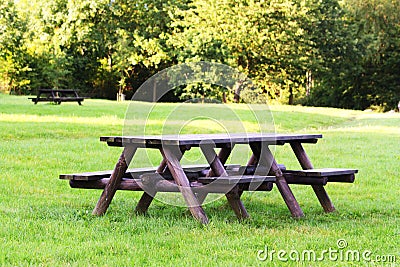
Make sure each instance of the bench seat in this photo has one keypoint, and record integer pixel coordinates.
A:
(238, 179)
(331, 174)
(139, 178)
(307, 177)
(155, 182)
(192, 171)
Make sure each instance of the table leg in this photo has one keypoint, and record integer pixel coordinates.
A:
(148, 197)
(115, 180)
(223, 156)
(319, 190)
(217, 168)
(266, 159)
(171, 155)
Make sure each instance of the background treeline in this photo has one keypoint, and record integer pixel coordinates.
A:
(317, 52)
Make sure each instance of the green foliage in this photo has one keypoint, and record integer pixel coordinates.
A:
(257, 38)
(363, 71)
(13, 65)
(379, 31)
(330, 53)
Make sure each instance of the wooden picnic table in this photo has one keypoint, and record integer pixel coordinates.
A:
(57, 96)
(261, 171)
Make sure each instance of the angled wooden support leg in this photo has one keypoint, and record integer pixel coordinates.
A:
(223, 156)
(217, 168)
(115, 180)
(319, 190)
(266, 159)
(172, 154)
(147, 197)
(253, 160)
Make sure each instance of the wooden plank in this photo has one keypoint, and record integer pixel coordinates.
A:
(149, 194)
(239, 179)
(249, 170)
(266, 159)
(217, 167)
(125, 184)
(217, 139)
(322, 172)
(191, 170)
(350, 178)
(304, 180)
(163, 186)
(90, 176)
(306, 164)
(223, 156)
(115, 180)
(183, 183)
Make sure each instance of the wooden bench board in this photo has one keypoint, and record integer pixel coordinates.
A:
(237, 179)
(169, 186)
(93, 176)
(326, 172)
(133, 173)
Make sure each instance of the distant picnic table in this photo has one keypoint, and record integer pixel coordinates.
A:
(194, 182)
(57, 96)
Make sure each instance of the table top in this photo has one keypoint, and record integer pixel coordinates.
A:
(57, 90)
(198, 139)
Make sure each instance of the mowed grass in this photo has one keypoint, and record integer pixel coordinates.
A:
(45, 222)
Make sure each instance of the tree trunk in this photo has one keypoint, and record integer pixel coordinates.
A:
(291, 98)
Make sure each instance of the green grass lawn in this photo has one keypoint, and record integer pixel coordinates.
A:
(45, 222)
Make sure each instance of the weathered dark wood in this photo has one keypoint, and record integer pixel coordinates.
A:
(57, 96)
(233, 187)
(220, 140)
(307, 177)
(304, 180)
(92, 176)
(125, 184)
(145, 201)
(165, 186)
(150, 192)
(223, 156)
(115, 180)
(319, 190)
(217, 167)
(171, 155)
(266, 159)
(322, 172)
(192, 172)
(253, 161)
(238, 179)
(331, 174)
(249, 170)
(350, 178)
(236, 204)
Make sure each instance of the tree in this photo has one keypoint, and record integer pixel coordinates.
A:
(335, 53)
(378, 25)
(13, 67)
(258, 38)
